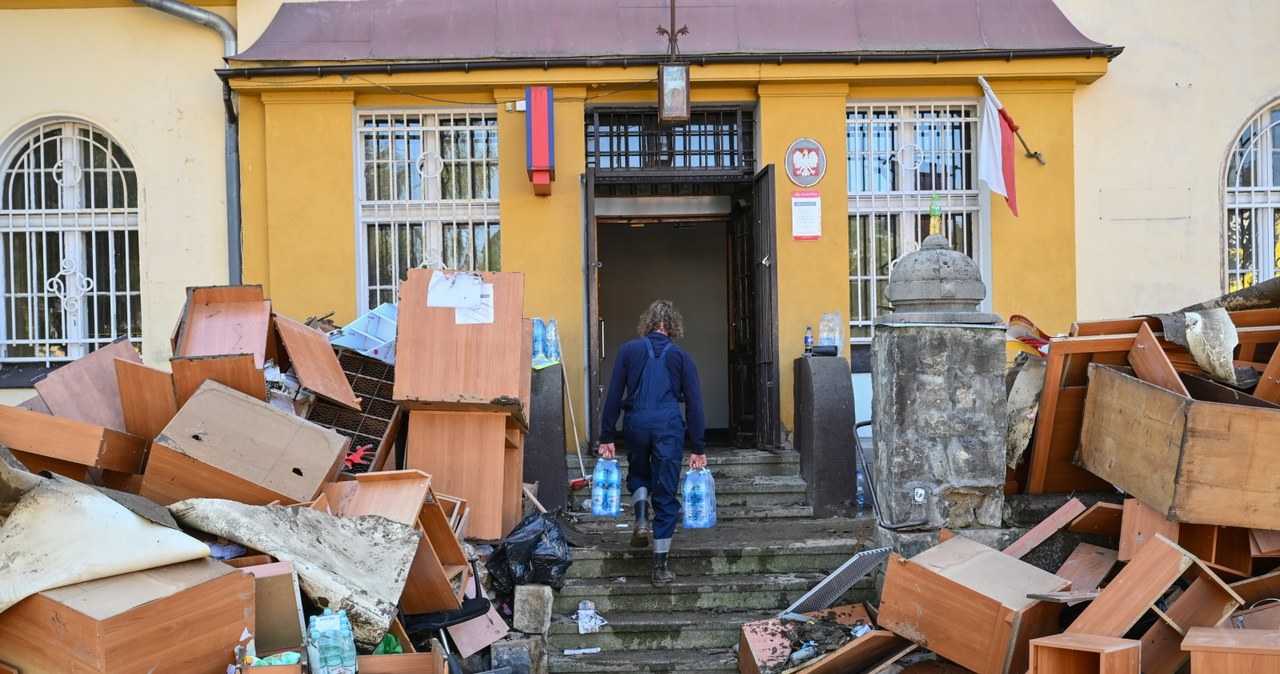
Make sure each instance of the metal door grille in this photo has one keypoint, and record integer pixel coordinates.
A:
(1253, 203)
(68, 244)
(713, 143)
(899, 157)
(427, 192)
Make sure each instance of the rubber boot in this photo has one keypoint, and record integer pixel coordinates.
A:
(640, 535)
(661, 576)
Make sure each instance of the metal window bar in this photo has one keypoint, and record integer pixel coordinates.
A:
(899, 156)
(428, 190)
(68, 243)
(1252, 209)
(715, 141)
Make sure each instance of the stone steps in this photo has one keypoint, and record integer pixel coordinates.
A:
(758, 490)
(704, 660)
(655, 630)
(723, 462)
(687, 593)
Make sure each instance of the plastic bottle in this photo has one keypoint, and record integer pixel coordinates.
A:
(935, 215)
(606, 489)
(699, 499)
(808, 340)
(826, 331)
(860, 496)
(553, 342)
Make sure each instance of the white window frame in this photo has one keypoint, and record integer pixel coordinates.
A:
(1251, 180)
(906, 204)
(74, 291)
(422, 219)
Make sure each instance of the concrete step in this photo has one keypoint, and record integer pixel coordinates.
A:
(655, 630)
(723, 462)
(636, 593)
(724, 513)
(731, 547)
(758, 490)
(706, 661)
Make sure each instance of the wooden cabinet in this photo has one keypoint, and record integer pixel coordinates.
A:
(1232, 651)
(1084, 654)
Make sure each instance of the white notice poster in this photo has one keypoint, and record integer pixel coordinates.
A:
(806, 215)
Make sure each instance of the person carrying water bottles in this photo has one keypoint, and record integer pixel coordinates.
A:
(656, 376)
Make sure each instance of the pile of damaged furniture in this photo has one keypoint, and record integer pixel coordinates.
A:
(1162, 436)
(200, 518)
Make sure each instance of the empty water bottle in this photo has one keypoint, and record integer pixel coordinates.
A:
(606, 489)
(860, 496)
(699, 499)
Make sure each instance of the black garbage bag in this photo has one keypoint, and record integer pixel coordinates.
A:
(534, 552)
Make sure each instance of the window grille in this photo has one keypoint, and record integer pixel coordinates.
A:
(714, 142)
(1253, 203)
(68, 244)
(899, 157)
(427, 191)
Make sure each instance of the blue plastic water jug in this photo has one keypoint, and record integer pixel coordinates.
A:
(606, 489)
(699, 492)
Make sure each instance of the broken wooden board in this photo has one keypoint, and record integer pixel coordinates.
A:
(1189, 459)
(114, 624)
(71, 441)
(224, 320)
(1264, 617)
(465, 452)
(278, 605)
(1232, 651)
(225, 444)
(1087, 566)
(871, 651)
(1101, 519)
(1266, 541)
(1258, 588)
(1046, 528)
(233, 371)
(1224, 549)
(314, 362)
(967, 603)
(87, 389)
(1140, 524)
(1150, 363)
(146, 398)
(1071, 653)
(1068, 597)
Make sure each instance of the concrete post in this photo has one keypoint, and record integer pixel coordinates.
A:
(824, 434)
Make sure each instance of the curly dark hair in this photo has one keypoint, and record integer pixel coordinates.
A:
(662, 314)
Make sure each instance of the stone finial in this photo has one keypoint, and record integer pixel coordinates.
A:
(936, 285)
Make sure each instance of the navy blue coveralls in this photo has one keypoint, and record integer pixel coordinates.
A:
(657, 376)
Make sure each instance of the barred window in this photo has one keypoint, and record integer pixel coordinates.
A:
(68, 243)
(899, 157)
(1253, 202)
(427, 190)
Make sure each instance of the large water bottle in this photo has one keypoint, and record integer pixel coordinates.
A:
(606, 489)
(699, 499)
(860, 493)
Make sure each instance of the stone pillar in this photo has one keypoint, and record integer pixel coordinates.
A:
(939, 400)
(824, 434)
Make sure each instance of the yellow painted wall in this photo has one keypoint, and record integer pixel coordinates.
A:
(147, 79)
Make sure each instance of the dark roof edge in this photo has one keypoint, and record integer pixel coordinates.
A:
(393, 67)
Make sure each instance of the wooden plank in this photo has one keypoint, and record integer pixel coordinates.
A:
(1140, 524)
(1046, 528)
(35, 404)
(1268, 542)
(1269, 385)
(1258, 588)
(1063, 475)
(1087, 566)
(86, 389)
(873, 649)
(1264, 617)
(1101, 519)
(1205, 603)
(235, 371)
(1152, 365)
(315, 362)
(1045, 418)
(1067, 597)
(403, 663)
(472, 365)
(1132, 435)
(225, 320)
(464, 453)
(1072, 653)
(397, 495)
(512, 486)
(71, 441)
(1220, 480)
(146, 398)
(1202, 388)
(1138, 585)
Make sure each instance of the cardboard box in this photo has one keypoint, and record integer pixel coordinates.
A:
(225, 444)
(1195, 459)
(968, 603)
(179, 619)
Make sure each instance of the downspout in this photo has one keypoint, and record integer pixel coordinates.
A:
(228, 33)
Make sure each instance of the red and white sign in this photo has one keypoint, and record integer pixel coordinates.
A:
(806, 162)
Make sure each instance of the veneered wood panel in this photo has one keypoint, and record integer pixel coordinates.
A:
(1151, 364)
(873, 649)
(472, 366)
(1140, 524)
(1046, 528)
(234, 371)
(1079, 653)
(69, 440)
(87, 390)
(1268, 387)
(512, 485)
(463, 452)
(1205, 603)
(1132, 435)
(403, 663)
(1138, 585)
(315, 362)
(397, 495)
(1225, 549)
(1222, 479)
(1258, 588)
(225, 320)
(1087, 566)
(1267, 540)
(146, 398)
(1101, 519)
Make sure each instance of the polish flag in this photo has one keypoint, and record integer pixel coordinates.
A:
(995, 147)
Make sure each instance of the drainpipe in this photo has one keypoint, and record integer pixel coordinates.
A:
(228, 33)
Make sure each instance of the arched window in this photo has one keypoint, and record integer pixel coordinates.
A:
(69, 277)
(1253, 202)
